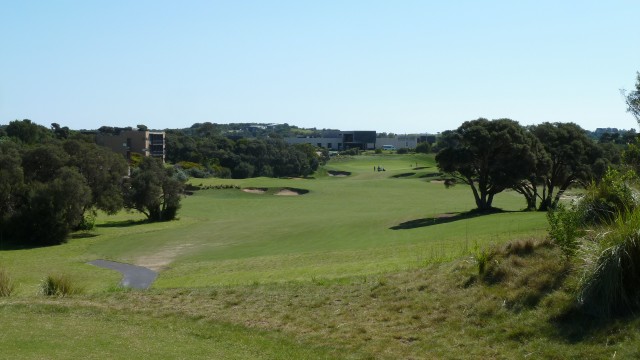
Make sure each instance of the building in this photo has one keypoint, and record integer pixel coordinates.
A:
(399, 141)
(363, 140)
(126, 142)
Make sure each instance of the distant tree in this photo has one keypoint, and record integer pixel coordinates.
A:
(154, 190)
(103, 170)
(573, 159)
(423, 147)
(142, 127)
(60, 132)
(489, 156)
(633, 99)
(27, 132)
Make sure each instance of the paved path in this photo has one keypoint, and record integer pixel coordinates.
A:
(136, 277)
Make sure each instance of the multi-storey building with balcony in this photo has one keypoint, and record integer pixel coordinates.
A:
(144, 142)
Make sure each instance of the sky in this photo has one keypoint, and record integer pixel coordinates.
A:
(394, 66)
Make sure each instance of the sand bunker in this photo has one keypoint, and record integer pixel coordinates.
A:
(255, 190)
(291, 192)
(287, 191)
(338, 173)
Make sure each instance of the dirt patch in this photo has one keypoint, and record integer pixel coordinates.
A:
(160, 260)
(338, 173)
(255, 190)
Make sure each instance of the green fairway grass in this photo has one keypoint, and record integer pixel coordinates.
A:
(377, 264)
(368, 222)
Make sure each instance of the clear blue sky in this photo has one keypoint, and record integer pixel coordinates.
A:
(399, 66)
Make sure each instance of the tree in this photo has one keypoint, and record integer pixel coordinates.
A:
(11, 183)
(103, 170)
(52, 209)
(633, 100)
(489, 156)
(154, 190)
(423, 147)
(528, 186)
(572, 156)
(27, 132)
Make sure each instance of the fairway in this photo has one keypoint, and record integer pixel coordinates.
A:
(365, 223)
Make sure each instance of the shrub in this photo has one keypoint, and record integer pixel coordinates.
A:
(6, 283)
(423, 147)
(58, 285)
(378, 151)
(610, 283)
(605, 200)
(88, 221)
(402, 151)
(565, 228)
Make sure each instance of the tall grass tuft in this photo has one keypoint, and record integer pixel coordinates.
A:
(610, 286)
(58, 285)
(6, 283)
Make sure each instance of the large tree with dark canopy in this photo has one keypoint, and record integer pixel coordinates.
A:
(154, 190)
(489, 156)
(574, 158)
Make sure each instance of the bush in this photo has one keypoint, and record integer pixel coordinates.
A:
(565, 228)
(352, 151)
(604, 201)
(402, 151)
(378, 151)
(610, 283)
(6, 283)
(601, 205)
(88, 221)
(58, 285)
(423, 147)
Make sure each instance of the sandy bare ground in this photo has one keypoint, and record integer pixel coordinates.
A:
(160, 260)
(286, 192)
(254, 191)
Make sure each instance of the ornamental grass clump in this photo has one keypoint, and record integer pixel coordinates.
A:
(610, 285)
(58, 285)
(6, 283)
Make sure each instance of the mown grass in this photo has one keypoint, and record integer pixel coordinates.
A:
(443, 311)
(371, 265)
(66, 330)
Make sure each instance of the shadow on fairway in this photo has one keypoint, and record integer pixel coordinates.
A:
(124, 223)
(443, 219)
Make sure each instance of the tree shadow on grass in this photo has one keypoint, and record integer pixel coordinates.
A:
(574, 326)
(120, 224)
(443, 219)
(83, 235)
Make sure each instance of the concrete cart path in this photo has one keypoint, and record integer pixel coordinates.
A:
(136, 277)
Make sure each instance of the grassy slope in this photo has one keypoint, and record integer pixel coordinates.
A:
(311, 276)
